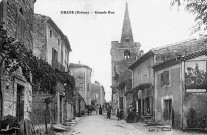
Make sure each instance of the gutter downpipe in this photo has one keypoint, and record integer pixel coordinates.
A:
(183, 88)
(154, 89)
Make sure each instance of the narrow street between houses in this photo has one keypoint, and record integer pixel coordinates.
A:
(99, 125)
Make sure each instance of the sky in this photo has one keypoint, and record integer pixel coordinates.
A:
(154, 24)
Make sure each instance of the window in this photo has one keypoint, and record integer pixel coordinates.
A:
(54, 55)
(165, 78)
(66, 56)
(127, 39)
(61, 53)
(50, 33)
(20, 26)
(126, 54)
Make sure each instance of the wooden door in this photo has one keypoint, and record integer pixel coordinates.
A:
(20, 108)
(167, 113)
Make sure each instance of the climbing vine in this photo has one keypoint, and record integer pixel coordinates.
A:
(16, 56)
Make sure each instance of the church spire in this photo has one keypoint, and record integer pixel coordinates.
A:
(127, 35)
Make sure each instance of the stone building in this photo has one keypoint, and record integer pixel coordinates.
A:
(52, 46)
(82, 75)
(16, 92)
(145, 78)
(123, 54)
(143, 85)
(103, 100)
(180, 91)
(97, 93)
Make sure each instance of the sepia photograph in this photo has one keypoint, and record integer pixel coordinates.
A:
(103, 67)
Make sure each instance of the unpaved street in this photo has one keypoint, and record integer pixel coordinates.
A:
(99, 125)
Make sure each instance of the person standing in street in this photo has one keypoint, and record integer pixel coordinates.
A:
(100, 110)
(96, 110)
(130, 118)
(109, 112)
(118, 114)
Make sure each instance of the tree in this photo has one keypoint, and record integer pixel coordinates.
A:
(197, 8)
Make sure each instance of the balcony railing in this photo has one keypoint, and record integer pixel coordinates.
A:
(57, 65)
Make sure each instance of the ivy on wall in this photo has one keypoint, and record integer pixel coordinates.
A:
(15, 56)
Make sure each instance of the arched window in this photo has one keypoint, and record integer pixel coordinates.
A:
(126, 54)
(127, 40)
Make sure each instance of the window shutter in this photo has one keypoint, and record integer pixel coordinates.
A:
(162, 79)
(53, 54)
(166, 78)
(62, 56)
(20, 28)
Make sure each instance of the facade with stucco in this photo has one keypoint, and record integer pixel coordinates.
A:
(52, 46)
(180, 99)
(97, 93)
(82, 75)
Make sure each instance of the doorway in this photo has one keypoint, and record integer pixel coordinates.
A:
(20, 108)
(61, 110)
(121, 104)
(167, 111)
(139, 106)
(1, 103)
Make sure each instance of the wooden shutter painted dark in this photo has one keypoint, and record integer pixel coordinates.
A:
(20, 28)
(162, 79)
(166, 78)
(53, 54)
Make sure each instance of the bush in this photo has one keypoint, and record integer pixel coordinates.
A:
(191, 118)
(10, 121)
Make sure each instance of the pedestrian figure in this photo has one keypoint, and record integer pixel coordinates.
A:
(130, 117)
(88, 109)
(118, 114)
(109, 112)
(96, 110)
(121, 113)
(100, 110)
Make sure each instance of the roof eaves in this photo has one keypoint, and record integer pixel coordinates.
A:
(176, 60)
(55, 27)
(67, 43)
(73, 65)
(142, 59)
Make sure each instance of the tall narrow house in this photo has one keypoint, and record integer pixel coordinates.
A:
(123, 54)
(15, 91)
(52, 46)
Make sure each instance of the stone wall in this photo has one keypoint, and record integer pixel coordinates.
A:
(39, 37)
(10, 10)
